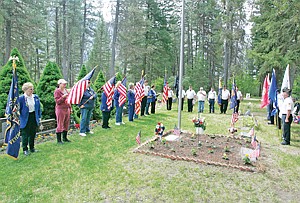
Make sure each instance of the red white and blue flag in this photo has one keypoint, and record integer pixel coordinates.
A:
(138, 138)
(139, 94)
(79, 88)
(234, 118)
(122, 90)
(165, 92)
(108, 89)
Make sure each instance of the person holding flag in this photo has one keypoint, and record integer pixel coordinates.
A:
(119, 100)
(106, 101)
(131, 101)
(87, 105)
(30, 117)
(287, 118)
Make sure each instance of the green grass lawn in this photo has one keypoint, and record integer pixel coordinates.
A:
(103, 168)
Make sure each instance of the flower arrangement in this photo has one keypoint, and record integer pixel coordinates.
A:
(159, 129)
(246, 159)
(199, 122)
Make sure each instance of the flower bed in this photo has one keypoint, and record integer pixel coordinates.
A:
(218, 150)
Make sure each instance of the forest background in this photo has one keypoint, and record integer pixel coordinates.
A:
(144, 35)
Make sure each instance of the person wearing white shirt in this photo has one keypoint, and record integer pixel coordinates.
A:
(190, 95)
(225, 98)
(287, 118)
(239, 97)
(201, 95)
(212, 95)
(170, 98)
(183, 94)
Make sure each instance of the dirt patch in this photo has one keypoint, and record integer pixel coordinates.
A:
(216, 150)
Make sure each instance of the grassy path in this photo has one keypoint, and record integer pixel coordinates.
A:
(102, 168)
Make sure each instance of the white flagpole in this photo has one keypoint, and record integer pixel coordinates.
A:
(181, 66)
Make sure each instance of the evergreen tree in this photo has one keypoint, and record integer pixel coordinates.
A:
(99, 82)
(82, 73)
(6, 78)
(46, 88)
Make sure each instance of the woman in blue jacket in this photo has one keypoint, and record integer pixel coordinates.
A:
(30, 117)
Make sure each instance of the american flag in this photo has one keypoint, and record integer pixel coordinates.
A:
(256, 152)
(165, 92)
(138, 138)
(254, 142)
(108, 89)
(122, 90)
(78, 89)
(139, 94)
(176, 130)
(234, 118)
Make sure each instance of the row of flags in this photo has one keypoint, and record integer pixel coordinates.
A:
(270, 89)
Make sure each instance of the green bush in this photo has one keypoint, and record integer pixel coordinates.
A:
(6, 78)
(46, 88)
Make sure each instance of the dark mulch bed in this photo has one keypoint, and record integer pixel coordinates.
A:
(206, 149)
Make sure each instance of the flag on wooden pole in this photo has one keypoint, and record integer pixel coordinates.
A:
(12, 114)
(165, 91)
(139, 94)
(122, 90)
(79, 88)
(108, 89)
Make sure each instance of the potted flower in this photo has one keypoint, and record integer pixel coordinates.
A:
(199, 124)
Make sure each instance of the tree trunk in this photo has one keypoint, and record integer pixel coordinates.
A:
(8, 38)
(113, 45)
(64, 42)
(82, 47)
(57, 41)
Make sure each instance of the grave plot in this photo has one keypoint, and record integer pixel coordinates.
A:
(218, 150)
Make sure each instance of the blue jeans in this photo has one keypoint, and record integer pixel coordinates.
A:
(147, 108)
(119, 110)
(211, 105)
(130, 112)
(86, 115)
(200, 106)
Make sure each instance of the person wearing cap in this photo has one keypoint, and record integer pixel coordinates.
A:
(30, 117)
(62, 111)
(201, 95)
(287, 118)
(212, 95)
(86, 106)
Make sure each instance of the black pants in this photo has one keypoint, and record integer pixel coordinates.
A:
(143, 105)
(236, 109)
(105, 118)
(224, 105)
(169, 103)
(190, 105)
(153, 107)
(271, 118)
(211, 105)
(28, 133)
(286, 128)
(182, 102)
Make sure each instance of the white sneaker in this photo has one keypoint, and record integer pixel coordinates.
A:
(123, 123)
(91, 132)
(118, 123)
(82, 134)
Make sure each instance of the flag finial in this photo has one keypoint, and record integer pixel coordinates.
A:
(14, 59)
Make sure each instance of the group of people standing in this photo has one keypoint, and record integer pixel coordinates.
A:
(201, 96)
